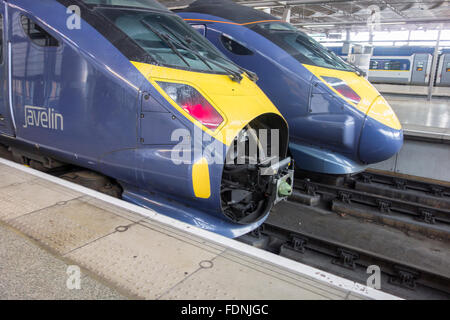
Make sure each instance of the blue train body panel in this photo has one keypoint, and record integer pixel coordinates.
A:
(379, 142)
(391, 51)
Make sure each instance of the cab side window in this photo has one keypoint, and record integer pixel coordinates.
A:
(396, 65)
(234, 46)
(201, 28)
(38, 35)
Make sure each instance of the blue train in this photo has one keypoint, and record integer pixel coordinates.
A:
(443, 69)
(130, 91)
(338, 121)
(406, 65)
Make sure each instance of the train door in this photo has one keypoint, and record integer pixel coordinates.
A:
(6, 119)
(420, 71)
(444, 70)
(36, 73)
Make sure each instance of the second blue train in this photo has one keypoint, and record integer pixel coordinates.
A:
(339, 123)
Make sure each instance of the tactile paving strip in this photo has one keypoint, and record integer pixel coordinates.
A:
(142, 261)
(9, 176)
(183, 236)
(68, 225)
(129, 215)
(21, 198)
(277, 272)
(225, 276)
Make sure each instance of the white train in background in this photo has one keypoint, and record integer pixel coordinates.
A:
(406, 65)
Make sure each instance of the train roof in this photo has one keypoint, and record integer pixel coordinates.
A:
(228, 10)
(401, 51)
(392, 51)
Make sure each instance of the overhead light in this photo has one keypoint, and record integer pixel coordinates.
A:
(318, 26)
(393, 22)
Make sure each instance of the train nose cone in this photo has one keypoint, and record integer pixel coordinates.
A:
(382, 135)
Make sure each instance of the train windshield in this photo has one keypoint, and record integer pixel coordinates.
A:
(300, 46)
(168, 40)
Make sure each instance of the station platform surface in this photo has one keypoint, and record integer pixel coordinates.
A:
(402, 89)
(422, 118)
(31, 272)
(126, 251)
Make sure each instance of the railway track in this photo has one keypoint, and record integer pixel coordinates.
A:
(409, 205)
(396, 277)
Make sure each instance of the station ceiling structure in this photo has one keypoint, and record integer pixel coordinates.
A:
(338, 15)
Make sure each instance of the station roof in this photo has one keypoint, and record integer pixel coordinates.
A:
(229, 10)
(339, 15)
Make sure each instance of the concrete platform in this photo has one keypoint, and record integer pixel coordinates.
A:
(138, 253)
(30, 272)
(426, 148)
(402, 89)
(423, 118)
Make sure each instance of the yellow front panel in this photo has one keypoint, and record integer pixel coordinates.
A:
(382, 112)
(238, 103)
(200, 179)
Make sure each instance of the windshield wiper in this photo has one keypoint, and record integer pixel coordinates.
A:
(188, 43)
(251, 75)
(235, 76)
(357, 70)
(167, 40)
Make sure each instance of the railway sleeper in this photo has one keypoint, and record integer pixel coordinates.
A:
(304, 198)
(345, 197)
(386, 205)
(308, 249)
(383, 205)
(298, 243)
(394, 220)
(404, 277)
(435, 200)
(393, 182)
(427, 216)
(346, 258)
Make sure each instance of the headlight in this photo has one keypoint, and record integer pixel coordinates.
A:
(193, 103)
(341, 87)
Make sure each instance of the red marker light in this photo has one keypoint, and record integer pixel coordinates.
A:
(193, 103)
(206, 114)
(341, 87)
